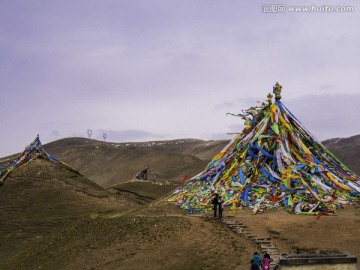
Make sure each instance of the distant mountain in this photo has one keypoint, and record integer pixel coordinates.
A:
(110, 164)
(347, 150)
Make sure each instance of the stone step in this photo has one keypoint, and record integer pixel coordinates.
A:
(237, 226)
(263, 238)
(233, 226)
(228, 221)
(274, 250)
(238, 230)
(247, 237)
(259, 243)
(265, 249)
(274, 256)
(265, 243)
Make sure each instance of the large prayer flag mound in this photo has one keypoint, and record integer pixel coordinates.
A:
(274, 162)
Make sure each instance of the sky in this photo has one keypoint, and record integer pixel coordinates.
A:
(142, 70)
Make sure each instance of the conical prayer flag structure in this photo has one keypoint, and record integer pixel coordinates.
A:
(274, 162)
(33, 151)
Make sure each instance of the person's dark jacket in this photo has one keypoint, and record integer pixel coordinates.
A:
(215, 201)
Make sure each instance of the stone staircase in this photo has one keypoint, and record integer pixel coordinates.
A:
(265, 244)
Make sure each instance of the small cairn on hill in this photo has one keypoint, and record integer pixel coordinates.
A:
(33, 151)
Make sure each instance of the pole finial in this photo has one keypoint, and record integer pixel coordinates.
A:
(269, 98)
(277, 91)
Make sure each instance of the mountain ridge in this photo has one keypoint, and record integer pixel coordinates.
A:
(109, 163)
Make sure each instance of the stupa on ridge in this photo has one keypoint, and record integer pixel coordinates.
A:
(274, 162)
(32, 152)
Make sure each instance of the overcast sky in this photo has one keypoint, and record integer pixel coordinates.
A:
(154, 70)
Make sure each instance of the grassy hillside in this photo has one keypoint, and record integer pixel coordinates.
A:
(40, 198)
(54, 218)
(347, 150)
(142, 191)
(159, 237)
(107, 163)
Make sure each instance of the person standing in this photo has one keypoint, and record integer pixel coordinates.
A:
(220, 207)
(266, 261)
(257, 259)
(215, 202)
(254, 266)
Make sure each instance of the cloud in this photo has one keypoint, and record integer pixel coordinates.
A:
(236, 128)
(325, 115)
(328, 116)
(239, 103)
(168, 67)
(220, 136)
(54, 133)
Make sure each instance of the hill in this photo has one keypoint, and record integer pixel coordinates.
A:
(52, 217)
(55, 218)
(157, 237)
(42, 197)
(163, 237)
(109, 164)
(142, 192)
(347, 150)
(112, 163)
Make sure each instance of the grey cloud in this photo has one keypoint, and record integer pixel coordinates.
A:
(220, 136)
(236, 128)
(225, 105)
(328, 116)
(325, 116)
(54, 133)
(161, 63)
(327, 87)
(239, 104)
